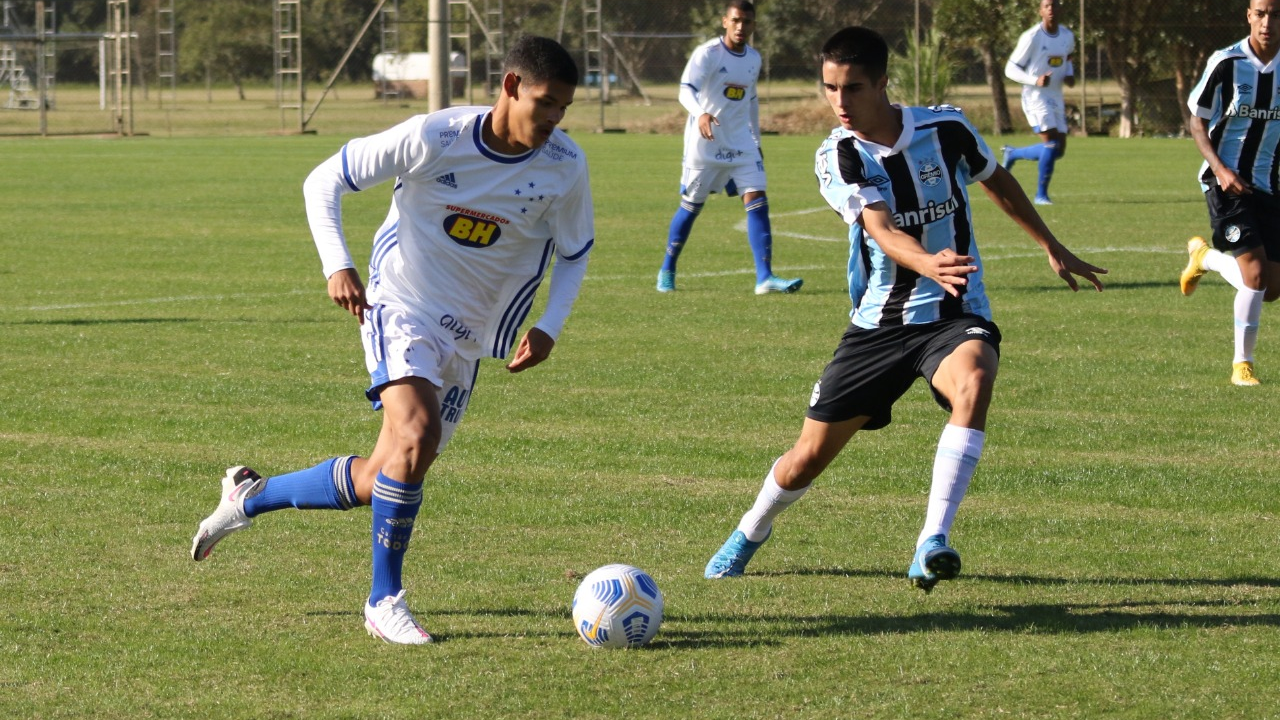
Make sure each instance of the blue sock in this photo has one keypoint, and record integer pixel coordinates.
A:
(395, 505)
(681, 226)
(1047, 160)
(1030, 152)
(760, 235)
(326, 486)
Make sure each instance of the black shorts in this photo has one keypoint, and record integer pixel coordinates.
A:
(871, 369)
(1241, 222)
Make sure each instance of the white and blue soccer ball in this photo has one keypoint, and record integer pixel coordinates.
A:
(617, 606)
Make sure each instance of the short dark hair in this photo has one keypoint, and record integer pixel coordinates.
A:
(745, 6)
(858, 46)
(539, 60)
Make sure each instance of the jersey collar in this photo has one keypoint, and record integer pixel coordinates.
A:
(730, 50)
(478, 135)
(908, 129)
(1254, 61)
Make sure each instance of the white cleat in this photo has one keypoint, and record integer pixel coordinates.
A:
(239, 483)
(391, 621)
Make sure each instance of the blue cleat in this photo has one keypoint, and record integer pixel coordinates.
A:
(933, 561)
(666, 281)
(1006, 157)
(775, 284)
(733, 557)
(1042, 200)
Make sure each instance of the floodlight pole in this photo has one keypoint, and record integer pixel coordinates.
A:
(438, 55)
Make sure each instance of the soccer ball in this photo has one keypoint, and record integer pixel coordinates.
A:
(617, 606)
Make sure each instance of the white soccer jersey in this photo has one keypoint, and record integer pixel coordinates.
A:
(719, 81)
(1038, 53)
(1238, 94)
(470, 233)
(923, 180)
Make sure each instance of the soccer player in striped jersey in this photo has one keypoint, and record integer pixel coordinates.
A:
(484, 200)
(1236, 125)
(1041, 61)
(722, 145)
(898, 176)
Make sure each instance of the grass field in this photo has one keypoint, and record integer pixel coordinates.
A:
(166, 317)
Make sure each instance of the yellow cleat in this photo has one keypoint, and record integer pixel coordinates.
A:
(1242, 374)
(1197, 248)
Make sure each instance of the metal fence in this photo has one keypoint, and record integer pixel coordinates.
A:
(1137, 59)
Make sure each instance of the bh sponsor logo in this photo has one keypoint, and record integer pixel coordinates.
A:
(735, 92)
(473, 229)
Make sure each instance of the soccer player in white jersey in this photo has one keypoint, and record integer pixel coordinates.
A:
(1236, 125)
(1041, 61)
(897, 176)
(484, 199)
(722, 145)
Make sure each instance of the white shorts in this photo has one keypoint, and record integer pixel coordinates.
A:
(1044, 112)
(696, 183)
(396, 346)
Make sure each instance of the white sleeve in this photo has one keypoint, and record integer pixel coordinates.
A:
(574, 231)
(360, 164)
(755, 120)
(693, 82)
(846, 196)
(562, 291)
(1015, 69)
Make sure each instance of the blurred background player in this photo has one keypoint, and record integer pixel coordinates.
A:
(484, 198)
(897, 175)
(1042, 63)
(1234, 124)
(722, 145)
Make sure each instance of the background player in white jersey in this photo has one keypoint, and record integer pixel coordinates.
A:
(1236, 125)
(1041, 61)
(722, 145)
(483, 200)
(919, 306)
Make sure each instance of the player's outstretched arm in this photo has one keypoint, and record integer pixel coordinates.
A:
(1007, 194)
(534, 347)
(945, 268)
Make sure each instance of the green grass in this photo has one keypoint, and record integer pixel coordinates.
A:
(165, 317)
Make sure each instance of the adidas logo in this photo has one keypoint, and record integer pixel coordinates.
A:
(724, 69)
(448, 179)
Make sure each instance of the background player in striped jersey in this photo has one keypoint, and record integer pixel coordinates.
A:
(722, 145)
(1041, 61)
(483, 199)
(897, 176)
(1236, 125)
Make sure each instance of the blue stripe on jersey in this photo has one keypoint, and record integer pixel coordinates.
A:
(692, 87)
(519, 308)
(478, 138)
(346, 172)
(381, 246)
(581, 252)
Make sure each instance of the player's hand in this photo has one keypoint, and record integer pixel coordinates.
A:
(1044, 80)
(705, 121)
(1067, 266)
(1231, 183)
(534, 347)
(948, 270)
(347, 292)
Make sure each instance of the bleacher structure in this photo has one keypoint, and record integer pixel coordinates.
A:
(13, 74)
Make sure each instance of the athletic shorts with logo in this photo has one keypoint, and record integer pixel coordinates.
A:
(1247, 221)
(872, 368)
(1045, 111)
(739, 178)
(396, 346)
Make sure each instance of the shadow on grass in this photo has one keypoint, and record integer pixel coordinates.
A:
(1265, 582)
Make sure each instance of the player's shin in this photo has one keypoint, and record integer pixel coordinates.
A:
(770, 501)
(957, 457)
(326, 486)
(760, 236)
(395, 507)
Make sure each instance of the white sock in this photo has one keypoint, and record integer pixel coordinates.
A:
(953, 466)
(1248, 311)
(1226, 266)
(771, 501)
